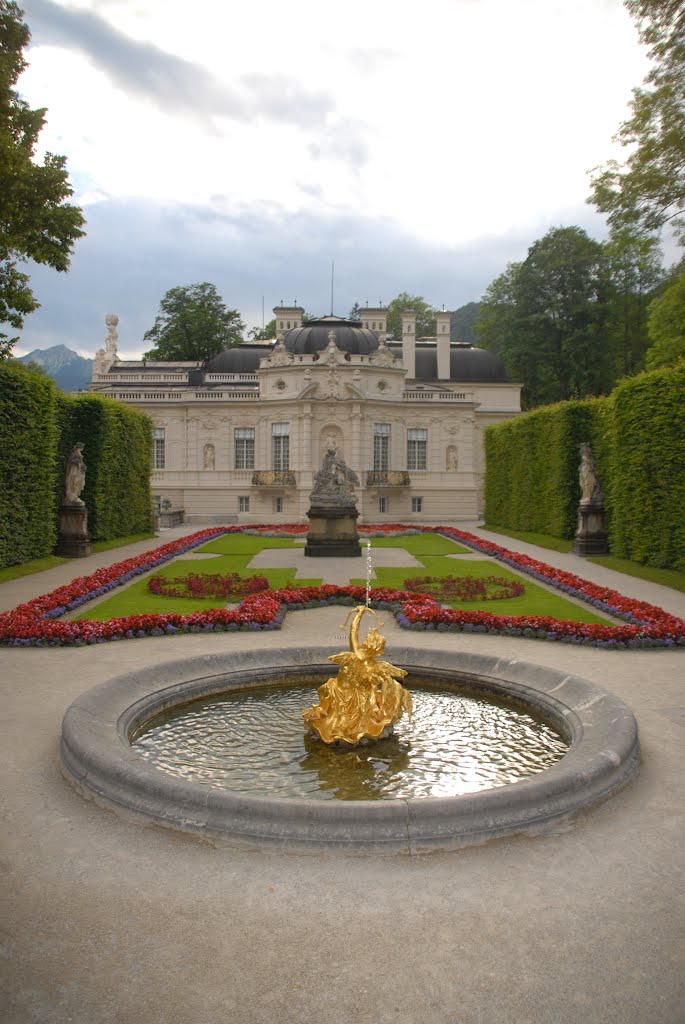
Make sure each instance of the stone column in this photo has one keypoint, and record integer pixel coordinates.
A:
(443, 344)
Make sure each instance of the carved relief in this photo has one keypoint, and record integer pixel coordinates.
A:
(209, 457)
(452, 460)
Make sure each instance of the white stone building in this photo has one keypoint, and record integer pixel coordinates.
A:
(241, 437)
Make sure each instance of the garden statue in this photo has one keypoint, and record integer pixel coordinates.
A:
(334, 480)
(591, 491)
(363, 702)
(73, 539)
(333, 510)
(76, 475)
(590, 536)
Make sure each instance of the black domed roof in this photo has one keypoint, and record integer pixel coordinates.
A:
(312, 337)
(241, 359)
(467, 364)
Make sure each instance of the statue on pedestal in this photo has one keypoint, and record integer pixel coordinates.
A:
(76, 475)
(590, 537)
(591, 491)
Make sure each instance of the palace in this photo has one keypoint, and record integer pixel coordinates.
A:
(240, 438)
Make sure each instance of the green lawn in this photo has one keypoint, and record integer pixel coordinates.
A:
(14, 572)
(136, 598)
(235, 551)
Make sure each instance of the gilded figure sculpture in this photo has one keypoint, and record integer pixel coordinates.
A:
(363, 702)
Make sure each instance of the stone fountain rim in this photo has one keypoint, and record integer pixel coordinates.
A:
(98, 760)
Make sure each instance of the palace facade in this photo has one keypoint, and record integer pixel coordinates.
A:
(240, 438)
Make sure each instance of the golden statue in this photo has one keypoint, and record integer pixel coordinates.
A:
(364, 700)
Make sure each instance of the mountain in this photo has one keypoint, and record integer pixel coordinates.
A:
(68, 369)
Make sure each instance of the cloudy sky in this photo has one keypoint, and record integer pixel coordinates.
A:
(419, 146)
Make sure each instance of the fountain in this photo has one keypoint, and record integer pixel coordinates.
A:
(212, 745)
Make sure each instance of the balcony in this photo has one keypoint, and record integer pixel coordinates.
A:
(388, 478)
(274, 478)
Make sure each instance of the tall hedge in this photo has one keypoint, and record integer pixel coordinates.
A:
(638, 441)
(647, 468)
(531, 480)
(117, 452)
(28, 468)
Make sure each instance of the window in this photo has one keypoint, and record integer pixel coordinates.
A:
(417, 442)
(243, 441)
(381, 447)
(417, 504)
(243, 504)
(280, 446)
(158, 453)
(278, 505)
(382, 504)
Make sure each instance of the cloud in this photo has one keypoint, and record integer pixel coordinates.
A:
(135, 251)
(175, 85)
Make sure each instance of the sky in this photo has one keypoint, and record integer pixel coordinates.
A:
(417, 147)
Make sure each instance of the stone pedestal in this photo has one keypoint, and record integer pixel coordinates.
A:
(333, 532)
(73, 540)
(590, 537)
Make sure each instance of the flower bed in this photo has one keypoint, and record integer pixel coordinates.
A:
(37, 623)
(203, 585)
(465, 588)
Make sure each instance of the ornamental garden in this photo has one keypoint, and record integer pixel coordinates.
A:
(443, 595)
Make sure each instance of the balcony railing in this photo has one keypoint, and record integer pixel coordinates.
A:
(388, 478)
(273, 478)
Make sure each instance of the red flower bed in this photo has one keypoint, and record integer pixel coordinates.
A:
(38, 622)
(466, 588)
(200, 584)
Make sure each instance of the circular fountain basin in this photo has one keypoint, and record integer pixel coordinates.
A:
(99, 759)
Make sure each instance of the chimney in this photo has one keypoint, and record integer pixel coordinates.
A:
(409, 342)
(442, 343)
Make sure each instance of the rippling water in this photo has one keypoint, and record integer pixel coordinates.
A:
(254, 742)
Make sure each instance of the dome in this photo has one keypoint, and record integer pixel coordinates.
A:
(467, 364)
(241, 359)
(312, 337)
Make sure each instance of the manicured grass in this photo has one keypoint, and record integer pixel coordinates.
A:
(246, 544)
(14, 572)
(137, 599)
(666, 577)
(234, 552)
(535, 601)
(421, 544)
(542, 540)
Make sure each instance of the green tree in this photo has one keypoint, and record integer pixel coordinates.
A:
(547, 319)
(193, 324)
(462, 321)
(647, 191)
(634, 263)
(356, 312)
(35, 221)
(265, 333)
(667, 325)
(425, 315)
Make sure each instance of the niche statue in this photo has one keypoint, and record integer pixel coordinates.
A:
(73, 539)
(590, 537)
(76, 475)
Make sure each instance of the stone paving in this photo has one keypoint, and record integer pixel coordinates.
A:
(109, 922)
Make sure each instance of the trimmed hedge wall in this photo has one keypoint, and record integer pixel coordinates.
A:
(638, 441)
(117, 452)
(39, 425)
(28, 467)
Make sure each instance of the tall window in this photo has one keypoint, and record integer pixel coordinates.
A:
(417, 504)
(243, 440)
(280, 446)
(417, 442)
(381, 447)
(278, 504)
(158, 453)
(244, 504)
(382, 504)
